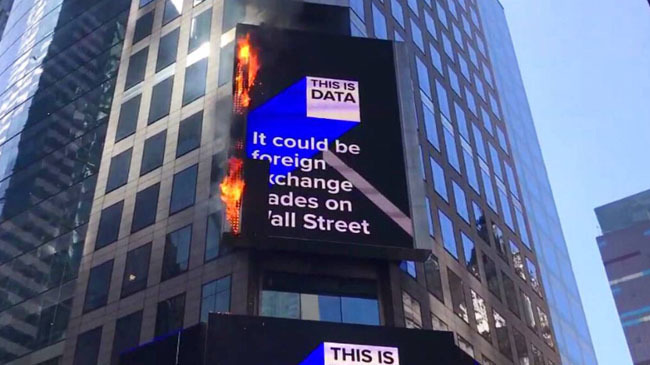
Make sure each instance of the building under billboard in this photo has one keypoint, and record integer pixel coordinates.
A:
(260, 161)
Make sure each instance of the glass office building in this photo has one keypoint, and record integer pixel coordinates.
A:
(574, 340)
(114, 124)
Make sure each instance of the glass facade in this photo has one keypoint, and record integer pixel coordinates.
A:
(536, 199)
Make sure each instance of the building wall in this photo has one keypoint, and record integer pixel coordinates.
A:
(444, 40)
(574, 340)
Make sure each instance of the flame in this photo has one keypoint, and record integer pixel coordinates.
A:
(247, 67)
(232, 189)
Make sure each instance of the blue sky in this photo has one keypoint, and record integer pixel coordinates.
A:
(586, 68)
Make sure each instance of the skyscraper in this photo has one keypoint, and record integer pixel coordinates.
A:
(625, 226)
(112, 216)
(572, 333)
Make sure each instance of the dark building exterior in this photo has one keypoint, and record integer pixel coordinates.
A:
(624, 243)
(115, 121)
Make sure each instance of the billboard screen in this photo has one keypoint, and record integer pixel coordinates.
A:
(322, 112)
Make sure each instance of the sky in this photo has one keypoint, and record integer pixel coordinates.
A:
(586, 68)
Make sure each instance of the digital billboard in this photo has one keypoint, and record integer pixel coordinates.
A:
(322, 113)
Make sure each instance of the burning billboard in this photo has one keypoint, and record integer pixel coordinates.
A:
(322, 112)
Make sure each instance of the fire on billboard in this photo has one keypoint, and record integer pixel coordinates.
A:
(321, 112)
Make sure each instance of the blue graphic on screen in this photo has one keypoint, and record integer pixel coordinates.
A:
(285, 116)
(316, 357)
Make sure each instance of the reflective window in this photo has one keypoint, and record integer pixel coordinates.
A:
(413, 4)
(443, 101)
(545, 327)
(453, 80)
(520, 347)
(464, 345)
(98, 283)
(450, 146)
(167, 49)
(481, 316)
(538, 359)
(431, 25)
(439, 181)
(471, 256)
(471, 103)
(189, 134)
(502, 140)
(521, 223)
(357, 7)
(461, 201)
(528, 311)
(534, 280)
(128, 120)
(160, 99)
(409, 268)
(200, 30)
(481, 223)
(136, 270)
(433, 278)
(517, 260)
(447, 47)
(461, 121)
(145, 2)
(379, 23)
(417, 35)
(457, 292)
(137, 66)
(478, 140)
(197, 2)
(154, 152)
(470, 167)
(226, 59)
(503, 338)
(436, 59)
(464, 69)
(491, 276)
(499, 241)
(430, 127)
(195, 78)
(442, 14)
(505, 206)
(146, 206)
(118, 171)
(213, 236)
(398, 12)
(486, 176)
(496, 161)
(423, 76)
(215, 297)
(427, 201)
(177, 252)
(487, 121)
(183, 189)
(143, 27)
(87, 348)
(169, 316)
(127, 335)
(511, 294)
(447, 232)
(173, 9)
(510, 175)
(438, 324)
(412, 313)
(109, 225)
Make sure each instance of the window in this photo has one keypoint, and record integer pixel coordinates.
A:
(538, 359)
(379, 23)
(301, 297)
(195, 78)
(512, 184)
(528, 311)
(173, 8)
(213, 236)
(437, 324)
(464, 68)
(136, 270)
(98, 283)
(545, 327)
(471, 103)
(118, 172)
(447, 234)
(534, 280)
(487, 186)
(487, 361)
(398, 12)
(511, 294)
(109, 225)
(521, 223)
(200, 30)
(503, 338)
(430, 127)
(160, 99)
(470, 167)
(436, 59)
(461, 201)
(457, 296)
(491, 276)
(450, 145)
(431, 25)
(137, 66)
(215, 297)
(409, 268)
(443, 101)
(177, 252)
(226, 57)
(417, 36)
(471, 256)
(189, 134)
(481, 316)
(154, 152)
(496, 161)
(481, 222)
(127, 335)
(128, 118)
(439, 181)
(423, 76)
(413, 4)
(499, 241)
(453, 80)
(169, 316)
(433, 278)
(520, 347)
(427, 202)
(183, 189)
(357, 7)
(197, 2)
(517, 260)
(478, 140)
(87, 348)
(143, 27)
(412, 313)
(464, 345)
(146, 205)
(167, 49)
(442, 15)
(447, 47)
